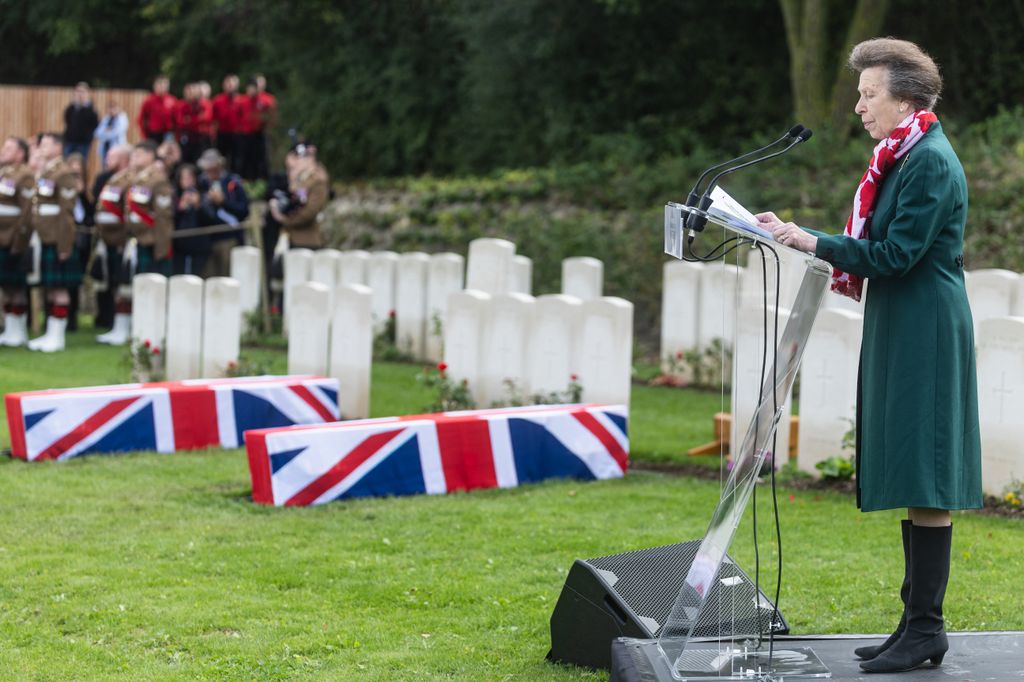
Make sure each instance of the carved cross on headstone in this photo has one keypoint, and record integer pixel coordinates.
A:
(1003, 392)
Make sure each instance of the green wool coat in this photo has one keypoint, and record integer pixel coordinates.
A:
(918, 440)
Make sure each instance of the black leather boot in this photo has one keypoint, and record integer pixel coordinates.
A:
(868, 652)
(924, 638)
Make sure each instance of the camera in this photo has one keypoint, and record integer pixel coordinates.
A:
(286, 202)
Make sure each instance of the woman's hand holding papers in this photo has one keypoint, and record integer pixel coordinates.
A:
(788, 234)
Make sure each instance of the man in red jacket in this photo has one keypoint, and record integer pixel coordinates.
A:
(225, 119)
(156, 117)
(193, 116)
(250, 131)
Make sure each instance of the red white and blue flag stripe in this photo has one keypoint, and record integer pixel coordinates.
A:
(62, 423)
(436, 453)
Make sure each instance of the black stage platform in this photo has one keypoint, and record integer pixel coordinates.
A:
(972, 657)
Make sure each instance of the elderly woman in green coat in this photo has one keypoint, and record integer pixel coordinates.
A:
(918, 443)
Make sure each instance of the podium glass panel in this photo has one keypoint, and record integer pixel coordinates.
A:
(693, 641)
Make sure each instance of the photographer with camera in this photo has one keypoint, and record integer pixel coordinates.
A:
(225, 199)
(298, 211)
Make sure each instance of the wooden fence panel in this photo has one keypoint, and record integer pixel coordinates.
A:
(27, 110)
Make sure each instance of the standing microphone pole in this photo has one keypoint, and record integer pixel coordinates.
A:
(698, 220)
(694, 196)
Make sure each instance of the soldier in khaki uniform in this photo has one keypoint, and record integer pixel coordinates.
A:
(53, 222)
(112, 229)
(309, 186)
(149, 208)
(17, 185)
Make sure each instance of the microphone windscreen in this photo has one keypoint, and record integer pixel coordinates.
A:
(805, 134)
(795, 130)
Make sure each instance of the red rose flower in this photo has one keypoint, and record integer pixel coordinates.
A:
(573, 377)
(145, 343)
(156, 351)
(441, 366)
(391, 313)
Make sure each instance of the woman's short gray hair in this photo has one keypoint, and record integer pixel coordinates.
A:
(913, 75)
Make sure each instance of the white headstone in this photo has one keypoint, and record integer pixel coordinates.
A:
(1001, 401)
(753, 279)
(551, 361)
(604, 345)
(582, 277)
(308, 333)
(680, 302)
(411, 303)
(352, 348)
(185, 328)
(488, 265)
(352, 267)
(325, 267)
(746, 378)
(298, 266)
(828, 386)
(444, 276)
(246, 265)
(380, 277)
(222, 325)
(463, 336)
(503, 353)
(149, 308)
(990, 293)
(521, 276)
(718, 304)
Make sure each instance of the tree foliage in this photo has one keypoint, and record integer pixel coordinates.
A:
(391, 87)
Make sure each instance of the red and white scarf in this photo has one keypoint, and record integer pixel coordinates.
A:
(887, 152)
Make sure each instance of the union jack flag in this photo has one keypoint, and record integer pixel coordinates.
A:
(436, 453)
(181, 415)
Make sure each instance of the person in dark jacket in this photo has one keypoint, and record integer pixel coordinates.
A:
(80, 122)
(190, 253)
(918, 439)
(225, 199)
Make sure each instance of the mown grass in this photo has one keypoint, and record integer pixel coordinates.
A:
(157, 567)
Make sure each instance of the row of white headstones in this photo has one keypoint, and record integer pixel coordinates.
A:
(480, 320)
(702, 303)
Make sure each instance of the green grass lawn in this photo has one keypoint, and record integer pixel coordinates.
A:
(157, 567)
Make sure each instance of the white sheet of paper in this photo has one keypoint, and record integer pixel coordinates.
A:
(731, 211)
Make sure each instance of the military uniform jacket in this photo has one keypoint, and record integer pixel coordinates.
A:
(149, 206)
(918, 438)
(302, 224)
(111, 219)
(53, 206)
(17, 186)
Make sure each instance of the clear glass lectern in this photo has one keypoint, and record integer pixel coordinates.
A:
(687, 645)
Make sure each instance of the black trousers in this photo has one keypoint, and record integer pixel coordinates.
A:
(254, 156)
(227, 145)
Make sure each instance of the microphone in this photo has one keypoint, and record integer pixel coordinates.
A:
(693, 197)
(705, 200)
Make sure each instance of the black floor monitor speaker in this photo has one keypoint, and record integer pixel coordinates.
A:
(631, 595)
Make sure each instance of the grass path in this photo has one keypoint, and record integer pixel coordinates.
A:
(157, 567)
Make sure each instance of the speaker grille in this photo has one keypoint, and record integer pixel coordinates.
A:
(648, 580)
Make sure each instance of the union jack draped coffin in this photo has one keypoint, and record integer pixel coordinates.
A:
(436, 453)
(180, 415)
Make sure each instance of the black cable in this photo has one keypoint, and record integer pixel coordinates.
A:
(712, 255)
(775, 501)
(757, 426)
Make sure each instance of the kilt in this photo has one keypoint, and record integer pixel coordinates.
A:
(146, 263)
(13, 268)
(57, 275)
